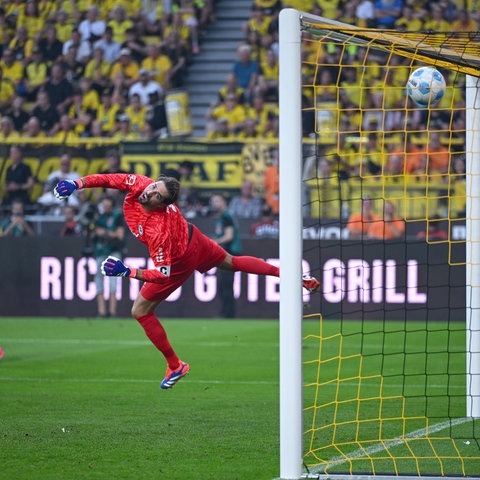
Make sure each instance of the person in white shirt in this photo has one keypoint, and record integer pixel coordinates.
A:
(145, 87)
(92, 28)
(51, 204)
(111, 48)
(84, 49)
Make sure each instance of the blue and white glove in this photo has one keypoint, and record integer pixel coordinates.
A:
(65, 188)
(114, 267)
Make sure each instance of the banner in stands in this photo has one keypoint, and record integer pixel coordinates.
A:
(412, 281)
(43, 160)
(216, 166)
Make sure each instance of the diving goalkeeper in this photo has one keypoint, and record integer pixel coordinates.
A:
(176, 247)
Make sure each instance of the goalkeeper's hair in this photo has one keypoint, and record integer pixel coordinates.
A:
(173, 187)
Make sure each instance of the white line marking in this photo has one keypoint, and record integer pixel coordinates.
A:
(78, 341)
(130, 380)
(361, 453)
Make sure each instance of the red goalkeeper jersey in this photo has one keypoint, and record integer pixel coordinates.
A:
(163, 231)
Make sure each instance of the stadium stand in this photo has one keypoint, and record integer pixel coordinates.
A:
(67, 69)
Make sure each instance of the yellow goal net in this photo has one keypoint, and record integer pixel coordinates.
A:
(390, 376)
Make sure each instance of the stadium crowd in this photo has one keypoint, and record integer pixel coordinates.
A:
(84, 69)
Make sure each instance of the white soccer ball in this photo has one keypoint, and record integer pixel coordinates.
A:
(426, 86)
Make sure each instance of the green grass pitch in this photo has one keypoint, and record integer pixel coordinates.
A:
(80, 398)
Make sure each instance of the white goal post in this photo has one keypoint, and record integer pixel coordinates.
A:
(291, 304)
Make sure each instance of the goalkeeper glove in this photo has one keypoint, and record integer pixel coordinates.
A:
(114, 267)
(65, 188)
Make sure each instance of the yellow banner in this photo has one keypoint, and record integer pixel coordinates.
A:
(215, 166)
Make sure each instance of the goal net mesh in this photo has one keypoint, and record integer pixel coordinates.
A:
(384, 364)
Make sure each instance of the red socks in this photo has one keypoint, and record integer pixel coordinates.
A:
(157, 335)
(254, 265)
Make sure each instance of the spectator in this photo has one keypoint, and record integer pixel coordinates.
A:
(21, 45)
(408, 21)
(74, 69)
(64, 25)
(92, 27)
(12, 68)
(230, 87)
(98, 70)
(83, 47)
(144, 87)
(110, 47)
(220, 130)
(124, 130)
(71, 227)
(59, 89)
(137, 47)
(19, 179)
(449, 8)
(66, 130)
(136, 112)
(159, 66)
(36, 74)
(107, 113)
(271, 183)
(45, 112)
(359, 224)
(268, 79)
(438, 154)
(7, 131)
(249, 129)
(258, 21)
(365, 12)
(437, 22)
(113, 166)
(108, 239)
(50, 46)
(189, 17)
(48, 200)
(177, 53)
(227, 236)
(388, 228)
(30, 20)
(124, 69)
(85, 111)
(156, 116)
(6, 93)
(259, 112)
(179, 28)
(272, 126)
(17, 113)
(387, 12)
(232, 111)
(433, 231)
(16, 225)
(245, 205)
(33, 129)
(119, 23)
(246, 70)
(151, 15)
(464, 23)
(267, 227)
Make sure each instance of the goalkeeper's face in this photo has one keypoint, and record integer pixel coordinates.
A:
(154, 196)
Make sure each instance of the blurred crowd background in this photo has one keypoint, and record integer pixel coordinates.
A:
(74, 70)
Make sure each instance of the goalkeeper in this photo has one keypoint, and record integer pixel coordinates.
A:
(176, 247)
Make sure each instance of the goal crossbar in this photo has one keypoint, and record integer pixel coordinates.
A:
(442, 48)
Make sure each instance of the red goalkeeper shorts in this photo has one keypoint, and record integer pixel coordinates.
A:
(202, 254)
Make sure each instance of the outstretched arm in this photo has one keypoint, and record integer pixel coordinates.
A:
(114, 267)
(118, 181)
